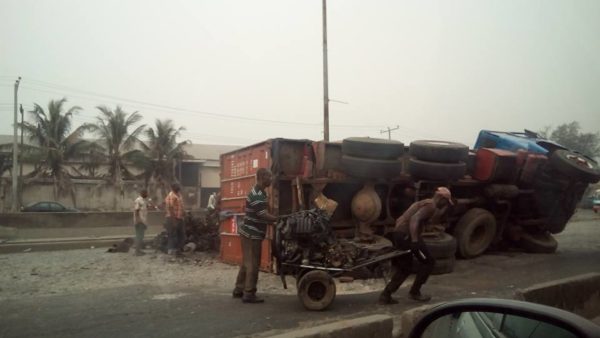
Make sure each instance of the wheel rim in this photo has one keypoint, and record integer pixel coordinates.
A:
(579, 161)
(316, 291)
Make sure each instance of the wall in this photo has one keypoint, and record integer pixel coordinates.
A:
(93, 195)
(210, 177)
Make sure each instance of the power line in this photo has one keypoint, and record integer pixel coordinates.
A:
(143, 103)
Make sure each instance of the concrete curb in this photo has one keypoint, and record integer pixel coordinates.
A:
(579, 294)
(53, 244)
(375, 326)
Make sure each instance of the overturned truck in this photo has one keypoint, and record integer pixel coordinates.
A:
(512, 189)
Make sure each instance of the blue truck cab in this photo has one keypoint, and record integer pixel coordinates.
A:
(515, 141)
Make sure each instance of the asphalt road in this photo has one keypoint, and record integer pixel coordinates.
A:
(149, 311)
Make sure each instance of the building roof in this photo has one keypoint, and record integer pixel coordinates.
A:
(196, 151)
(208, 151)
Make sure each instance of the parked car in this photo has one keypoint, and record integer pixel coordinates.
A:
(47, 206)
(596, 201)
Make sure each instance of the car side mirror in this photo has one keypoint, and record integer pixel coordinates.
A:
(501, 318)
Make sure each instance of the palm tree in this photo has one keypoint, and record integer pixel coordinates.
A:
(116, 137)
(54, 144)
(161, 151)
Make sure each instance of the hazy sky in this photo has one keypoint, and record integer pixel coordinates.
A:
(240, 71)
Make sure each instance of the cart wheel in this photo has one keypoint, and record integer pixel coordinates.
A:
(316, 290)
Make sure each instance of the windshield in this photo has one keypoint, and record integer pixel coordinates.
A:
(235, 168)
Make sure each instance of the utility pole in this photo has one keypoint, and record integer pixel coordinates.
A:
(21, 147)
(325, 80)
(15, 152)
(389, 131)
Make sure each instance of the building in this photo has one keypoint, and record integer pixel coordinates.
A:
(198, 174)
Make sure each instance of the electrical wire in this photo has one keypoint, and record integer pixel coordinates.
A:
(172, 108)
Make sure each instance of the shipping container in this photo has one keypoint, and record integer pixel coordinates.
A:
(287, 159)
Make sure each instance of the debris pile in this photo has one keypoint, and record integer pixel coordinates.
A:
(201, 234)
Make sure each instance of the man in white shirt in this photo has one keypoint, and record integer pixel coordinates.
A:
(140, 220)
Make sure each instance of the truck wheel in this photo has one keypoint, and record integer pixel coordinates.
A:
(372, 148)
(436, 171)
(575, 165)
(443, 266)
(538, 243)
(316, 290)
(474, 232)
(441, 245)
(439, 151)
(371, 168)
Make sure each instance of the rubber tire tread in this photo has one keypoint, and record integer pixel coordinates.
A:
(436, 171)
(566, 167)
(538, 243)
(439, 151)
(443, 246)
(443, 266)
(373, 148)
(371, 168)
(311, 277)
(465, 226)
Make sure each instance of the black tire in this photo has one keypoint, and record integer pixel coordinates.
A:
(436, 171)
(372, 148)
(538, 243)
(439, 151)
(444, 266)
(575, 165)
(316, 290)
(474, 232)
(442, 245)
(371, 168)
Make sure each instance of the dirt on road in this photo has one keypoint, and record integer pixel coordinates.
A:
(33, 274)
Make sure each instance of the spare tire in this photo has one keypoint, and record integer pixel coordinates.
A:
(575, 165)
(436, 171)
(374, 148)
(442, 245)
(371, 168)
(443, 266)
(474, 232)
(439, 151)
(538, 243)
(316, 290)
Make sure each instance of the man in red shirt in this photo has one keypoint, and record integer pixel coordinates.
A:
(174, 220)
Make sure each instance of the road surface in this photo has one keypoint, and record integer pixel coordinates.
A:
(172, 310)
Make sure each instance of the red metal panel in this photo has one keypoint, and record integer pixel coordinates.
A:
(495, 165)
(238, 176)
(231, 251)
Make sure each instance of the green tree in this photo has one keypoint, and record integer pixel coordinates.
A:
(162, 151)
(54, 145)
(118, 134)
(571, 136)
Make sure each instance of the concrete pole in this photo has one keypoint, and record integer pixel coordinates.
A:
(325, 75)
(15, 153)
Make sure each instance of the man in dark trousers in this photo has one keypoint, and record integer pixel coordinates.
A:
(407, 236)
(174, 220)
(252, 232)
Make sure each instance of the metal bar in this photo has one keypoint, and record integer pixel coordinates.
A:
(381, 258)
(237, 178)
(233, 198)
